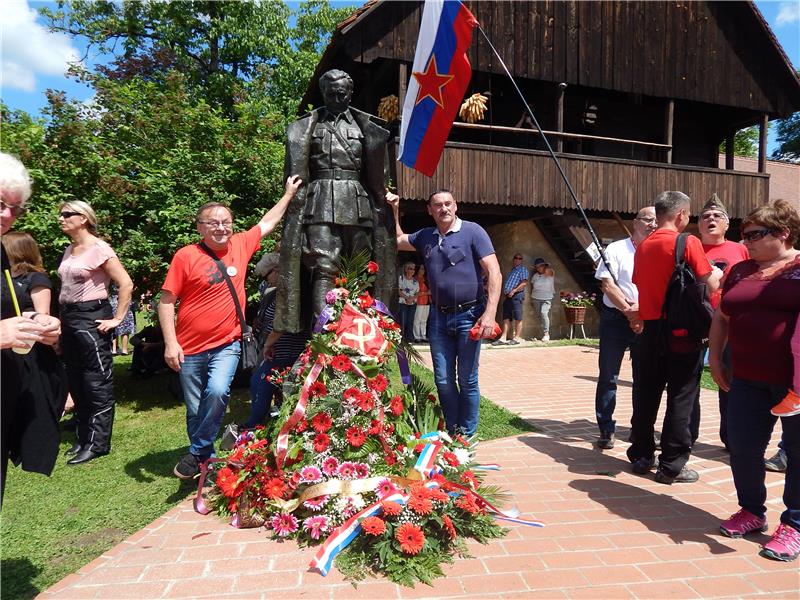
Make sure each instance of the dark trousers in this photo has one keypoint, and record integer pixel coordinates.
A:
(675, 365)
(406, 314)
(750, 427)
(87, 354)
(616, 337)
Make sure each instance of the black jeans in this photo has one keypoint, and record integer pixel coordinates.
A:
(616, 336)
(661, 363)
(90, 372)
(750, 427)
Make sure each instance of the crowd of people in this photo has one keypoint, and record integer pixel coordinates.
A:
(450, 300)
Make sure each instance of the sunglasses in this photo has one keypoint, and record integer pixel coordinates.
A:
(68, 213)
(755, 234)
(713, 215)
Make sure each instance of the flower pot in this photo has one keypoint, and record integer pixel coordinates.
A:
(576, 315)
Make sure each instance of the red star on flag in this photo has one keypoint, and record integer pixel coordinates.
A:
(431, 82)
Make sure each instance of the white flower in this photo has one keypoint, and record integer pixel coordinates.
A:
(463, 455)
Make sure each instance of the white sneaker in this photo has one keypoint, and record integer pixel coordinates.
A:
(546, 337)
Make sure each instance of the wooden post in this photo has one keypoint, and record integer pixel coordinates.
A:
(729, 151)
(669, 118)
(560, 116)
(763, 128)
(401, 86)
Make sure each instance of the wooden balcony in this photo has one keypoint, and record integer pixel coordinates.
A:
(529, 178)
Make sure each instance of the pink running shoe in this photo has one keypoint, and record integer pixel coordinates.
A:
(784, 545)
(742, 523)
(788, 407)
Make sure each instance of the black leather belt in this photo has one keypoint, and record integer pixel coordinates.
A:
(335, 174)
(457, 307)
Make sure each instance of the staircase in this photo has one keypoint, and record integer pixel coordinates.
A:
(569, 237)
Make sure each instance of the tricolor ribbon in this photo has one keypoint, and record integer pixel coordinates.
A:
(282, 443)
(426, 462)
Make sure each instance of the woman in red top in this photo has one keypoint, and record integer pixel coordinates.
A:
(423, 307)
(759, 309)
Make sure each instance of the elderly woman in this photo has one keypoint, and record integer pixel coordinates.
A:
(759, 309)
(408, 289)
(23, 430)
(87, 268)
(280, 350)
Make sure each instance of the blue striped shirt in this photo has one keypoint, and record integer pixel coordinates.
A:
(517, 276)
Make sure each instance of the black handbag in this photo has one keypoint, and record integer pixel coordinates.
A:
(250, 358)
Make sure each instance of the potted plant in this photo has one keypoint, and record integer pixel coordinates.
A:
(575, 305)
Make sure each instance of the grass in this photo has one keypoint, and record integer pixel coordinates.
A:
(51, 527)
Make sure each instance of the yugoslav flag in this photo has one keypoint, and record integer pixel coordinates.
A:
(439, 79)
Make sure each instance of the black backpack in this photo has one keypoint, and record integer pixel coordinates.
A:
(686, 310)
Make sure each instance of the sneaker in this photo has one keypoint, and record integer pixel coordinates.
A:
(514, 342)
(789, 406)
(685, 476)
(606, 440)
(742, 523)
(642, 466)
(498, 342)
(188, 467)
(777, 463)
(784, 545)
(546, 337)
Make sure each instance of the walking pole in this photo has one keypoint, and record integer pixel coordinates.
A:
(595, 240)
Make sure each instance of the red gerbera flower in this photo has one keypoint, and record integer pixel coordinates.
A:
(378, 383)
(341, 362)
(321, 442)
(451, 459)
(449, 527)
(365, 300)
(468, 477)
(228, 482)
(321, 422)
(410, 537)
(375, 427)
(372, 267)
(467, 503)
(318, 389)
(356, 436)
(274, 488)
(419, 504)
(391, 509)
(396, 406)
(373, 526)
(301, 426)
(366, 401)
(351, 393)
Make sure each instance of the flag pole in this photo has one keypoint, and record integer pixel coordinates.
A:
(577, 202)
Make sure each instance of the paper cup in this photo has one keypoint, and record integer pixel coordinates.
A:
(24, 350)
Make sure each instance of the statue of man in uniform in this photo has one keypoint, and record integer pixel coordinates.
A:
(340, 154)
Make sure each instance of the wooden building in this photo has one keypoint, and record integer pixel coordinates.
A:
(635, 97)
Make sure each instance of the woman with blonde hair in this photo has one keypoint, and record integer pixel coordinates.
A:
(87, 268)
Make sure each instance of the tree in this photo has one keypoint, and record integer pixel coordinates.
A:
(193, 108)
(745, 142)
(789, 139)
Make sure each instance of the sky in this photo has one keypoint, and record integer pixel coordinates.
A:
(33, 60)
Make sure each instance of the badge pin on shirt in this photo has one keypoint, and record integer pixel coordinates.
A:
(231, 271)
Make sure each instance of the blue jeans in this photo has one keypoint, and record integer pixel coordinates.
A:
(616, 336)
(455, 366)
(206, 381)
(750, 427)
(262, 391)
(406, 315)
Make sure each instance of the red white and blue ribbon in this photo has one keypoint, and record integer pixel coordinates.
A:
(282, 443)
(426, 461)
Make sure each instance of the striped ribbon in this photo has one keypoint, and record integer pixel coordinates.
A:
(427, 459)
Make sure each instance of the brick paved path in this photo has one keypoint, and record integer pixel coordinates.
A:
(610, 534)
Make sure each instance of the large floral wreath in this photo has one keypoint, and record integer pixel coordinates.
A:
(354, 465)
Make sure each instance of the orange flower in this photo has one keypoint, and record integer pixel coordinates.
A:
(373, 526)
(391, 509)
(467, 504)
(274, 488)
(410, 537)
(228, 482)
(449, 527)
(420, 504)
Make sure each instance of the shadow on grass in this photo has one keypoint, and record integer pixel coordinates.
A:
(159, 465)
(16, 578)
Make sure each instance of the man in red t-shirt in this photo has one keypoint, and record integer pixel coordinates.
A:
(713, 225)
(204, 347)
(664, 360)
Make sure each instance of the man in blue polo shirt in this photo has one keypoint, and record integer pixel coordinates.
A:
(456, 255)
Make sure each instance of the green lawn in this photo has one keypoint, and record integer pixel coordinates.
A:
(51, 527)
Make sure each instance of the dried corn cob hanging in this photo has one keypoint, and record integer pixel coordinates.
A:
(473, 108)
(388, 108)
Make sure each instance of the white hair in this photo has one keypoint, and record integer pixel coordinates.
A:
(267, 263)
(14, 177)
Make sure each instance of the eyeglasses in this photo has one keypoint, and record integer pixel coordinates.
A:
(215, 224)
(15, 209)
(713, 215)
(755, 234)
(66, 214)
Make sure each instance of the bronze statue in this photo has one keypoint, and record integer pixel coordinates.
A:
(340, 154)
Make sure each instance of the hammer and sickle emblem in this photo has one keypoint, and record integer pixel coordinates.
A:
(360, 332)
